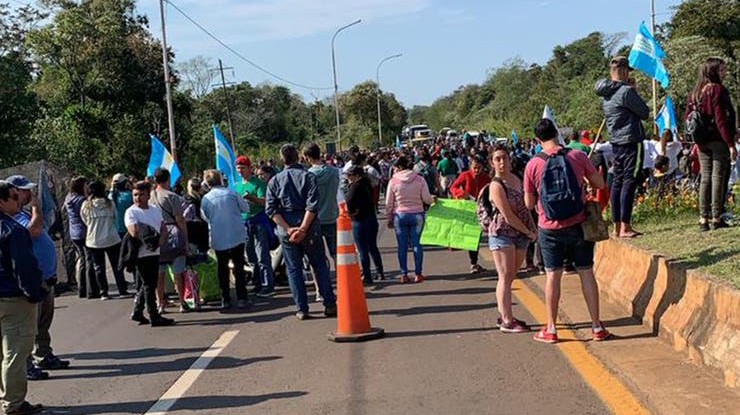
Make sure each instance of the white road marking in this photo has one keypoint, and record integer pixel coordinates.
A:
(188, 378)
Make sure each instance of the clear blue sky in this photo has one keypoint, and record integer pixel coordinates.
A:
(445, 44)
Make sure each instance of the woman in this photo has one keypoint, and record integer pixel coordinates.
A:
(717, 147)
(509, 234)
(197, 227)
(121, 196)
(468, 186)
(99, 215)
(361, 208)
(77, 233)
(405, 199)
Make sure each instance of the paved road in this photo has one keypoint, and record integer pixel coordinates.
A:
(441, 356)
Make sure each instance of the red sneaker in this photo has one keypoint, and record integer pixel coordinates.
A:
(419, 278)
(405, 279)
(601, 335)
(545, 336)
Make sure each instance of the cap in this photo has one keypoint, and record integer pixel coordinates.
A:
(620, 62)
(21, 182)
(243, 161)
(586, 134)
(119, 178)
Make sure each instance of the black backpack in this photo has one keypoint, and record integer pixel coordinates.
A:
(698, 127)
(560, 193)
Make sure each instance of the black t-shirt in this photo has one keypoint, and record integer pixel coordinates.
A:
(360, 201)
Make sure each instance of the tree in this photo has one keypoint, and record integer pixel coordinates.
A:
(197, 76)
(360, 114)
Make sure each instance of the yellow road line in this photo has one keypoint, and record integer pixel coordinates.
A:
(610, 389)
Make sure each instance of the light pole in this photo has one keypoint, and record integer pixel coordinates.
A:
(377, 86)
(336, 87)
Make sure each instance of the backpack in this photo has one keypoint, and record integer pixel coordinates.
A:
(698, 127)
(429, 177)
(486, 210)
(560, 193)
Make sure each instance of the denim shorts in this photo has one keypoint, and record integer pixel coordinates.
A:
(561, 246)
(179, 265)
(496, 243)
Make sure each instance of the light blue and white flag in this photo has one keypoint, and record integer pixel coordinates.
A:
(398, 142)
(666, 119)
(225, 157)
(161, 157)
(647, 56)
(514, 137)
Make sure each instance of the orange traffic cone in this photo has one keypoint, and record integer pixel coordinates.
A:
(353, 321)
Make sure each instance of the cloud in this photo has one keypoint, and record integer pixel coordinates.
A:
(288, 19)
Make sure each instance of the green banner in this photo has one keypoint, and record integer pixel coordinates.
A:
(452, 224)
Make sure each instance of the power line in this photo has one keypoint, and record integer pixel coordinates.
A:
(239, 55)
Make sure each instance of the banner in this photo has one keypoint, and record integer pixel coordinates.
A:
(452, 224)
(225, 158)
(666, 119)
(647, 56)
(161, 157)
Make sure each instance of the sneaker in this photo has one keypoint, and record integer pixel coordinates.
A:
(330, 311)
(600, 335)
(720, 224)
(704, 227)
(476, 269)
(225, 305)
(514, 326)
(104, 297)
(243, 304)
(368, 282)
(34, 373)
(419, 278)
(52, 362)
(161, 310)
(25, 409)
(405, 279)
(185, 308)
(266, 293)
(302, 315)
(545, 336)
(162, 322)
(319, 298)
(139, 317)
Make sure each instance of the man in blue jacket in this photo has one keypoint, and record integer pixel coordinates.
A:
(20, 292)
(624, 111)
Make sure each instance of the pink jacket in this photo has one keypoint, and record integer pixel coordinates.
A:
(407, 193)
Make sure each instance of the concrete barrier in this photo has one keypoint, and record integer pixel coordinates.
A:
(697, 315)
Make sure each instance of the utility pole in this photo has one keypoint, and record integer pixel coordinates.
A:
(167, 84)
(228, 107)
(655, 83)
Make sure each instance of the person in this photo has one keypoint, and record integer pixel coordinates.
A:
(509, 234)
(428, 172)
(624, 109)
(327, 181)
(145, 225)
(448, 171)
(222, 208)
(717, 147)
(404, 203)
(258, 228)
(21, 291)
(77, 233)
(576, 144)
(197, 227)
(293, 204)
(99, 215)
(122, 198)
(468, 186)
(561, 238)
(361, 210)
(45, 252)
(171, 206)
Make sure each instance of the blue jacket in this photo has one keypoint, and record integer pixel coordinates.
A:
(20, 275)
(624, 109)
(292, 191)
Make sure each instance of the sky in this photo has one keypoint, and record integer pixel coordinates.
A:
(445, 44)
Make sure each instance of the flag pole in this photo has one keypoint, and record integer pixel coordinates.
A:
(655, 83)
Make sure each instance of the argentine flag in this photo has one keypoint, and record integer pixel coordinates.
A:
(647, 56)
(666, 119)
(162, 158)
(225, 157)
(514, 137)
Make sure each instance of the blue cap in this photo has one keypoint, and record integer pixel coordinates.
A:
(21, 182)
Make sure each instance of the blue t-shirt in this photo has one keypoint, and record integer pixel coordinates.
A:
(122, 200)
(43, 247)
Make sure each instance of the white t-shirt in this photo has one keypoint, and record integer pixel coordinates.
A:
(151, 216)
(673, 149)
(651, 153)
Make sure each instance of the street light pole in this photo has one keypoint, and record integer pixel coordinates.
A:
(168, 85)
(377, 86)
(336, 87)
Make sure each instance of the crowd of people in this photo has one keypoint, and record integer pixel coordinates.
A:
(531, 197)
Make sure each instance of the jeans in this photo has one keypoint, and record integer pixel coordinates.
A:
(235, 255)
(98, 258)
(258, 254)
(714, 159)
(627, 164)
(312, 246)
(365, 232)
(329, 232)
(565, 246)
(17, 328)
(147, 274)
(84, 270)
(408, 227)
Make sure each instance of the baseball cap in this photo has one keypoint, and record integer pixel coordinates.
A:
(243, 161)
(620, 62)
(21, 182)
(119, 178)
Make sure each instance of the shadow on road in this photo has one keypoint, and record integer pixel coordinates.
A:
(132, 354)
(459, 291)
(399, 334)
(435, 309)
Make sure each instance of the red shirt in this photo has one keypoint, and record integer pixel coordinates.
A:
(470, 183)
(582, 167)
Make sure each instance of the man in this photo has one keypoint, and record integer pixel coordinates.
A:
(623, 109)
(327, 183)
(576, 144)
(293, 203)
(20, 292)
(146, 227)
(258, 227)
(560, 235)
(171, 206)
(45, 252)
(222, 208)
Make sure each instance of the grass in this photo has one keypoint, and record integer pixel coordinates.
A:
(716, 253)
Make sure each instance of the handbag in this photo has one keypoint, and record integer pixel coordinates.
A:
(174, 246)
(595, 228)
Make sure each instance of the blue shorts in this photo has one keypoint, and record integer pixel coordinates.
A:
(179, 265)
(561, 246)
(496, 243)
